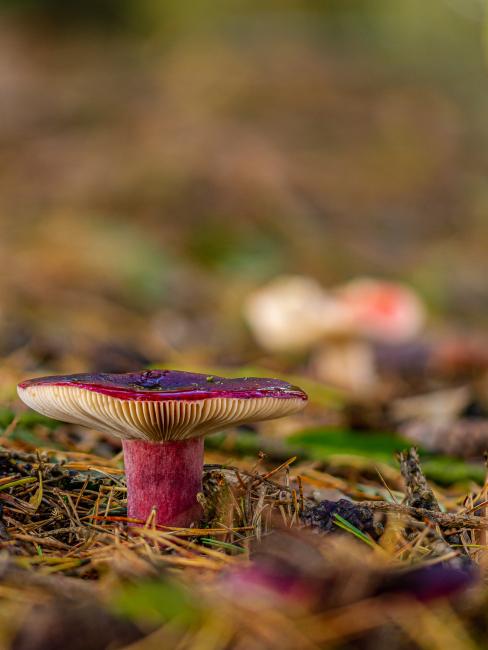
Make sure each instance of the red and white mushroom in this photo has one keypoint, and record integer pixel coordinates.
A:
(161, 417)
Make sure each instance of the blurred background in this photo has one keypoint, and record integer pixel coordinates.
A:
(208, 185)
(161, 161)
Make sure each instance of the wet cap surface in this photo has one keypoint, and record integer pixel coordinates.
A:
(171, 384)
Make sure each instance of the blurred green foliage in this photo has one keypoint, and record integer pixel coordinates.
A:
(253, 252)
(420, 34)
(26, 419)
(325, 442)
(336, 445)
(155, 602)
(117, 13)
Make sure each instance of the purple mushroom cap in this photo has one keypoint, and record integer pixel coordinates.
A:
(156, 385)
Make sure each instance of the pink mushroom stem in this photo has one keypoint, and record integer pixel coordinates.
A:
(166, 476)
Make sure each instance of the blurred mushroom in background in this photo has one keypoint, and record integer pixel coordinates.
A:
(339, 328)
(292, 313)
(378, 312)
(383, 311)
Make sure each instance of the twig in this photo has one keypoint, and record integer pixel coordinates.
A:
(443, 519)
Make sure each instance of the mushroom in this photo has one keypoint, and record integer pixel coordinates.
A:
(161, 416)
(292, 313)
(341, 327)
(378, 313)
(383, 311)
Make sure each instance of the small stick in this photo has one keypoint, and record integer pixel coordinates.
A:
(300, 491)
(444, 519)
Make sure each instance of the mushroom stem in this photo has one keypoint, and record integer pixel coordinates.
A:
(166, 476)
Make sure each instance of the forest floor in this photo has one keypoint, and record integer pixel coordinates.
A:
(339, 543)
